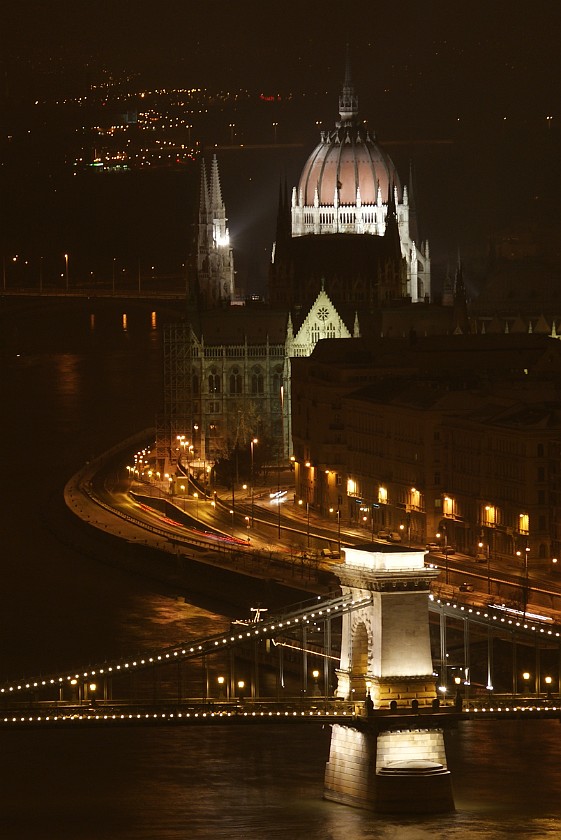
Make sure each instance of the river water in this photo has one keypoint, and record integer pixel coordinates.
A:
(68, 391)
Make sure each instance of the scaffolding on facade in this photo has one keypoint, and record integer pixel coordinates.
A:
(176, 417)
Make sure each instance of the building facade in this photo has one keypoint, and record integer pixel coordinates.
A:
(456, 436)
(346, 263)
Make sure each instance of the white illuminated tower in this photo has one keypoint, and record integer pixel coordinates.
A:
(394, 759)
(215, 260)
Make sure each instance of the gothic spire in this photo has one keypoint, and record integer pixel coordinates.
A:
(461, 318)
(348, 100)
(284, 226)
(215, 191)
(413, 224)
(203, 198)
(391, 234)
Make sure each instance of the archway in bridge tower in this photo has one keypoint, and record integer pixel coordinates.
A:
(359, 662)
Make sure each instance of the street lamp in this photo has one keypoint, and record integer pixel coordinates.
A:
(66, 269)
(526, 582)
(338, 513)
(300, 502)
(458, 697)
(438, 535)
(196, 495)
(182, 488)
(481, 545)
(315, 675)
(252, 444)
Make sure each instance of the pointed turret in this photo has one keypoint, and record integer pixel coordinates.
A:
(413, 226)
(216, 202)
(215, 266)
(289, 328)
(392, 226)
(283, 228)
(461, 319)
(203, 196)
(348, 100)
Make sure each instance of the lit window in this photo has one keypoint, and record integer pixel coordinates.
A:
(383, 495)
(448, 506)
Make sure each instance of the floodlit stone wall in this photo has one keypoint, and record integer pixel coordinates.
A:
(414, 745)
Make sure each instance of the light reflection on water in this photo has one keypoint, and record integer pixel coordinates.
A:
(85, 390)
(161, 620)
(257, 782)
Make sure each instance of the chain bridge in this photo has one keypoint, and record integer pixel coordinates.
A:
(297, 652)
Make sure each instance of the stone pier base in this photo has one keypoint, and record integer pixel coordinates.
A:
(400, 772)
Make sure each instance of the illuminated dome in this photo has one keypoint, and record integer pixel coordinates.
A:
(347, 160)
(349, 185)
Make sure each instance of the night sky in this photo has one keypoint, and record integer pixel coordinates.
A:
(482, 76)
(506, 47)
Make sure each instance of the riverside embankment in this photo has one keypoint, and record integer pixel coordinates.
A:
(224, 577)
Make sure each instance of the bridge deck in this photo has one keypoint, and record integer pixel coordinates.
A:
(193, 713)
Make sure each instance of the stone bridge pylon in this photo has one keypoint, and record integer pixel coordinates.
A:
(392, 759)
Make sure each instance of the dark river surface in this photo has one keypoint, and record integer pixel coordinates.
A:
(73, 392)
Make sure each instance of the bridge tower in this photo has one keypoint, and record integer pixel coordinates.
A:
(392, 758)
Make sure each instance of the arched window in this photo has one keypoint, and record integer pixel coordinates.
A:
(277, 380)
(213, 381)
(257, 381)
(236, 382)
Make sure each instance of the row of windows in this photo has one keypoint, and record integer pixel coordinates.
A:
(347, 216)
(235, 382)
(329, 332)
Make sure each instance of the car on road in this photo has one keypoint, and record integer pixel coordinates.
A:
(329, 554)
(466, 587)
(448, 549)
(390, 536)
(432, 547)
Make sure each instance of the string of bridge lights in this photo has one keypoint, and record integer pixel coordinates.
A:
(172, 717)
(500, 619)
(236, 716)
(260, 629)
